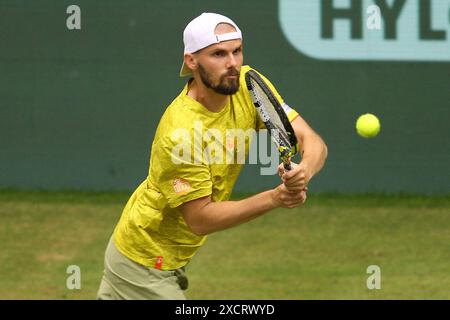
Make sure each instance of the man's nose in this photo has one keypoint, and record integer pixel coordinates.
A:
(231, 61)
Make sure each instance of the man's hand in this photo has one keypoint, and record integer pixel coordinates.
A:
(297, 179)
(285, 198)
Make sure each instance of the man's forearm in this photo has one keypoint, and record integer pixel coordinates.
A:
(314, 153)
(313, 149)
(216, 216)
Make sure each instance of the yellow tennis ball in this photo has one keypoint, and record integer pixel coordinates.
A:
(368, 125)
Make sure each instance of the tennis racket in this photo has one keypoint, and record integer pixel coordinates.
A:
(272, 114)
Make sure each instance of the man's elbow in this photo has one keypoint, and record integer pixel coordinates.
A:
(196, 217)
(319, 144)
(324, 151)
(197, 227)
(199, 230)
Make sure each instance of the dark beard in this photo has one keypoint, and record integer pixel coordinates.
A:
(223, 88)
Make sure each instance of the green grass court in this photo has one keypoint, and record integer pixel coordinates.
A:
(320, 251)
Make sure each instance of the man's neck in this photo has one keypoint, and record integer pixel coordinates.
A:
(210, 99)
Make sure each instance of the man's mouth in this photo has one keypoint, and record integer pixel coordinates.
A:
(232, 74)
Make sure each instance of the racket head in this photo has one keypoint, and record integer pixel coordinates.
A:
(273, 115)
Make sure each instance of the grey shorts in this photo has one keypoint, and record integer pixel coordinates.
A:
(124, 279)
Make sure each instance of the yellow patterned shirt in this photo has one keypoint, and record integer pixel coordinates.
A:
(195, 153)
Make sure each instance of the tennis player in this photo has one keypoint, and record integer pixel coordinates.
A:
(183, 199)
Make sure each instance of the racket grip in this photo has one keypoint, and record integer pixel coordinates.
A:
(287, 166)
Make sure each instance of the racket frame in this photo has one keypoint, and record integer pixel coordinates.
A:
(286, 150)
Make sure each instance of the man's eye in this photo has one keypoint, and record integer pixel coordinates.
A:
(218, 54)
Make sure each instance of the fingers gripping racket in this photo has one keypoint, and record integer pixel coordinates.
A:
(272, 114)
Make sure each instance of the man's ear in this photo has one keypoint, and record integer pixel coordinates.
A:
(190, 61)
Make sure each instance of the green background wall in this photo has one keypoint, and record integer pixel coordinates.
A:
(78, 109)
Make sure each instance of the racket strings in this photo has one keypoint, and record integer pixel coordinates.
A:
(270, 114)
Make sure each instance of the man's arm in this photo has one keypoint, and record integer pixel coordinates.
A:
(203, 216)
(314, 153)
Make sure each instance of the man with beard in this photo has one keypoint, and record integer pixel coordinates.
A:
(185, 196)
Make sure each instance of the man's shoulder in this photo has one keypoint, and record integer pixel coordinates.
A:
(179, 100)
(244, 70)
(177, 120)
(177, 110)
(243, 84)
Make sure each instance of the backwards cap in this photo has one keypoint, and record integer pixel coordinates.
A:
(199, 34)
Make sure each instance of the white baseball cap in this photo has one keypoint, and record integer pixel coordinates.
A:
(199, 34)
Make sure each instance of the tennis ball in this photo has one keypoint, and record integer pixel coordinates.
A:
(368, 125)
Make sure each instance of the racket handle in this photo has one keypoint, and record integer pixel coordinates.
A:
(287, 166)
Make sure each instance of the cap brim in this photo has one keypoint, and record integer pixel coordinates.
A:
(185, 71)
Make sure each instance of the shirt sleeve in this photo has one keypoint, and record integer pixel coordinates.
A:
(180, 175)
